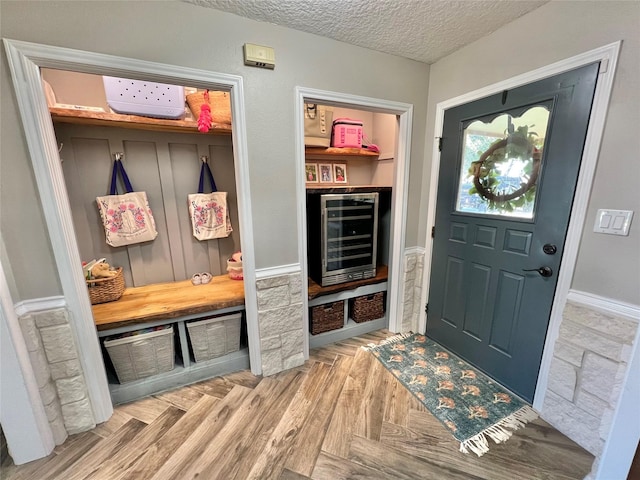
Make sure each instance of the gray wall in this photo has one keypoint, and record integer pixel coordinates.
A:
(187, 35)
(607, 265)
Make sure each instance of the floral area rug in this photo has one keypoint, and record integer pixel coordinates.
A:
(468, 403)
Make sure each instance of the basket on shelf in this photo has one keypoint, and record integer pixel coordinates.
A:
(220, 103)
(103, 290)
(367, 307)
(143, 353)
(214, 337)
(329, 316)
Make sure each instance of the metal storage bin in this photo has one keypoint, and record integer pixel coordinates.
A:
(141, 355)
(214, 337)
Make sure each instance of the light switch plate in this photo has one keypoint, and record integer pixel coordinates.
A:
(613, 222)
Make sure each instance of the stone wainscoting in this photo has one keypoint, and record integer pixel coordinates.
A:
(412, 293)
(587, 371)
(54, 357)
(280, 320)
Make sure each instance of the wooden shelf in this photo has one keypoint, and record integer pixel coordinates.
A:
(336, 188)
(315, 290)
(86, 117)
(320, 153)
(166, 301)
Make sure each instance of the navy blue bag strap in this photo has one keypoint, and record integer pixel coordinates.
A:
(118, 167)
(205, 168)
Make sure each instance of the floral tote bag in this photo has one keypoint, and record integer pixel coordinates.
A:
(208, 211)
(127, 218)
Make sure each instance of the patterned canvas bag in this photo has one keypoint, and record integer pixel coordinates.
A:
(208, 211)
(127, 218)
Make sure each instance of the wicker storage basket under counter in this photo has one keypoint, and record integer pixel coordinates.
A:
(214, 337)
(103, 290)
(141, 354)
(367, 307)
(329, 316)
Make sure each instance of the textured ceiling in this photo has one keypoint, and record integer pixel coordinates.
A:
(422, 30)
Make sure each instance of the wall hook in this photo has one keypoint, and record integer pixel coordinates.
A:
(118, 156)
(204, 159)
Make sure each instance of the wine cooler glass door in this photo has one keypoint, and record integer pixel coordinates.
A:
(350, 226)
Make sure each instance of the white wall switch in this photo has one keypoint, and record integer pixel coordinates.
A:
(613, 222)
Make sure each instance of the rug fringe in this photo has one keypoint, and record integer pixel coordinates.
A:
(393, 339)
(500, 432)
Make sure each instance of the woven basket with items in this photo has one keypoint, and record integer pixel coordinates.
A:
(105, 284)
(217, 108)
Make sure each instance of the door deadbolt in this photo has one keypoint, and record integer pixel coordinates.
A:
(549, 249)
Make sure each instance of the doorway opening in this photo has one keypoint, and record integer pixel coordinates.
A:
(402, 117)
(26, 59)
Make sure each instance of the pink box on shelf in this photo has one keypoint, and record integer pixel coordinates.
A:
(347, 133)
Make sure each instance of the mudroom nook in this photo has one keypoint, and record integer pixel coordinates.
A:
(349, 184)
(181, 317)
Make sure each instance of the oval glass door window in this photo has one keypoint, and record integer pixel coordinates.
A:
(501, 164)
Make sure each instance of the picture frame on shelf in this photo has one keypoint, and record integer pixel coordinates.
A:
(311, 172)
(326, 173)
(340, 173)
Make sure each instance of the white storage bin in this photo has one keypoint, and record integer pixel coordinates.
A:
(142, 355)
(151, 99)
(214, 337)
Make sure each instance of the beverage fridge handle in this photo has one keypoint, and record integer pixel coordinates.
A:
(325, 245)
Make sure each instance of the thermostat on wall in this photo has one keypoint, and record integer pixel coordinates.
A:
(259, 56)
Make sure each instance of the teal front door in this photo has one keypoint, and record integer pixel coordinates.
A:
(508, 171)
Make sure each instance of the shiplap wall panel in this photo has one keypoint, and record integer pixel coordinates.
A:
(85, 180)
(164, 165)
(185, 160)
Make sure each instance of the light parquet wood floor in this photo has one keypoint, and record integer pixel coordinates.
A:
(339, 416)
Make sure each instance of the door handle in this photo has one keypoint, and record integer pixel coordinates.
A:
(543, 271)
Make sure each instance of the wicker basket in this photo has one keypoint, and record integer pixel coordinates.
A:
(103, 290)
(214, 337)
(220, 103)
(327, 317)
(143, 354)
(367, 307)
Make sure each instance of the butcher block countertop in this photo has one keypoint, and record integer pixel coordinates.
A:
(162, 301)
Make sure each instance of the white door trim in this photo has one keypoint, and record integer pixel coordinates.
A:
(398, 196)
(25, 60)
(28, 433)
(608, 56)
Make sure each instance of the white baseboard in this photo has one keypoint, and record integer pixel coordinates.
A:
(605, 305)
(281, 270)
(26, 307)
(414, 251)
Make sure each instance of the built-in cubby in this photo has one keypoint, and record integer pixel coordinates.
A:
(367, 170)
(162, 157)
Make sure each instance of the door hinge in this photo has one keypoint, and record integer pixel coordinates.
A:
(426, 308)
(433, 232)
(439, 144)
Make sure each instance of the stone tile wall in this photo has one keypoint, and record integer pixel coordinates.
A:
(58, 372)
(280, 319)
(413, 269)
(588, 367)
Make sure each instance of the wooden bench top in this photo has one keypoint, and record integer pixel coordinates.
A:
(316, 290)
(161, 301)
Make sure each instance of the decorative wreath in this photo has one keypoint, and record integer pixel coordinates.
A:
(518, 144)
